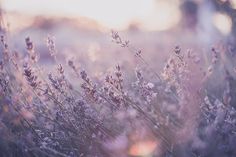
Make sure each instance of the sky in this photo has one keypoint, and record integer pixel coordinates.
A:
(118, 14)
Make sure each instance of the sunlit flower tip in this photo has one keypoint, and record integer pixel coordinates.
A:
(150, 85)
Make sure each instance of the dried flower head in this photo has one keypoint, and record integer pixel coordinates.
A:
(34, 57)
(1, 65)
(51, 45)
(30, 77)
(29, 44)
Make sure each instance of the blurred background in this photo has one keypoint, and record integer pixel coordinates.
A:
(81, 27)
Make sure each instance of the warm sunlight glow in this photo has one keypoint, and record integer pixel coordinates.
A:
(17, 22)
(233, 3)
(117, 14)
(143, 148)
(163, 16)
(223, 23)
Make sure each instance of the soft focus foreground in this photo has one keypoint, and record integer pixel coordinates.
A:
(164, 86)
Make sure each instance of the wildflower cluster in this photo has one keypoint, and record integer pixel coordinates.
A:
(52, 113)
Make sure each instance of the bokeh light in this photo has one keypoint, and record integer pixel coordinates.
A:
(143, 148)
(233, 3)
(223, 23)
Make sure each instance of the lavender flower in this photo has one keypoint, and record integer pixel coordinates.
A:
(30, 77)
